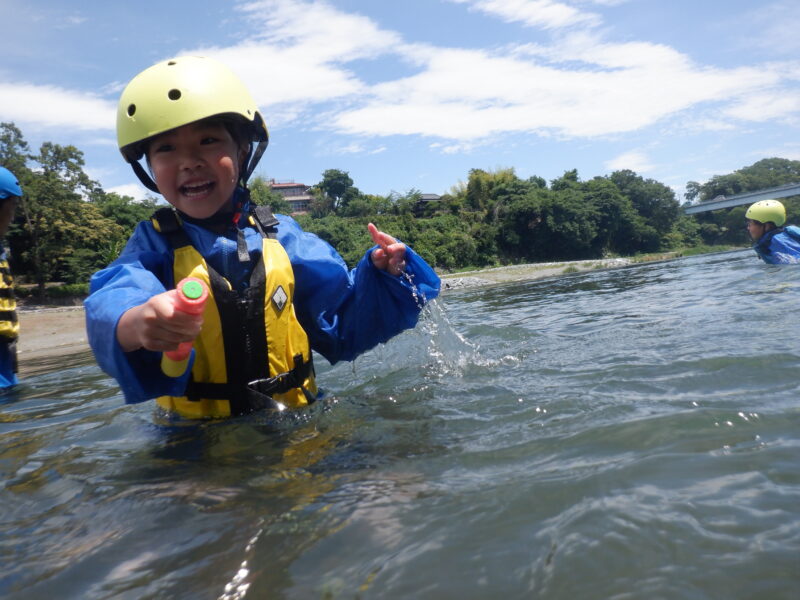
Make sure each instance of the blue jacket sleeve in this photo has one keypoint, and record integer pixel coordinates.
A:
(345, 313)
(143, 270)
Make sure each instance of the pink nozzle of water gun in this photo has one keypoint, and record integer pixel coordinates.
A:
(193, 306)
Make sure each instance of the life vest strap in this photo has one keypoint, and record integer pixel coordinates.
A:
(265, 221)
(257, 394)
(8, 315)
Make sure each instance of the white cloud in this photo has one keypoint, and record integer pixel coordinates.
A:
(356, 148)
(468, 94)
(51, 106)
(327, 32)
(299, 65)
(767, 106)
(635, 160)
(299, 55)
(133, 190)
(546, 14)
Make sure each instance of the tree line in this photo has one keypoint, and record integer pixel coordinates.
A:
(67, 226)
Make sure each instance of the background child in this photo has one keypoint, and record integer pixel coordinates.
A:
(774, 243)
(276, 292)
(10, 193)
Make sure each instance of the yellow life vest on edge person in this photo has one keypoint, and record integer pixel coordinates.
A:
(240, 367)
(9, 325)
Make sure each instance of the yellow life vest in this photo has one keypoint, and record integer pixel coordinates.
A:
(251, 352)
(9, 325)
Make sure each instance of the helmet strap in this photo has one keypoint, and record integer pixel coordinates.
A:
(144, 177)
(254, 159)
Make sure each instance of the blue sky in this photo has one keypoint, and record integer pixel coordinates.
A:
(414, 94)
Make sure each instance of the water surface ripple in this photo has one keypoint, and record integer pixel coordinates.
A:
(621, 434)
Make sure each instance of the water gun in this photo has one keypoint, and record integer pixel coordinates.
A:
(191, 298)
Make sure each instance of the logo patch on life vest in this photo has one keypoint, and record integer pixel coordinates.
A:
(279, 298)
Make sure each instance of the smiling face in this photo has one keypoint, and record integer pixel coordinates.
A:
(196, 167)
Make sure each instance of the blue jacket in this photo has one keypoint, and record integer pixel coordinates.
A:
(344, 313)
(779, 246)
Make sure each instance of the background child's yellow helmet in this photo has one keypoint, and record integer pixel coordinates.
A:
(767, 211)
(180, 91)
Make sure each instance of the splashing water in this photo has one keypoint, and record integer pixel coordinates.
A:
(636, 426)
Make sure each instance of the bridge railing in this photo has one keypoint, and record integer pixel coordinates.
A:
(783, 191)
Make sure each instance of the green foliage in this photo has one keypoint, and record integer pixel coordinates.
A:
(67, 226)
(68, 290)
(124, 210)
(654, 201)
(53, 217)
(766, 173)
(727, 226)
(65, 290)
(336, 191)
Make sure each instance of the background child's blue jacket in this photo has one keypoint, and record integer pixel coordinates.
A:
(343, 312)
(779, 246)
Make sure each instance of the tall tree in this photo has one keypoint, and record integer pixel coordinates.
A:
(50, 208)
(337, 187)
(654, 201)
(14, 150)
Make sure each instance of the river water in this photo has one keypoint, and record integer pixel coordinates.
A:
(631, 433)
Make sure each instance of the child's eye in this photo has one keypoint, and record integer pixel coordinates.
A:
(209, 139)
(162, 148)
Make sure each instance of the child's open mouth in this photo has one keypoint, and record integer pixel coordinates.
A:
(197, 189)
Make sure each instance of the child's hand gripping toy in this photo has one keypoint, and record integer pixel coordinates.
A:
(191, 298)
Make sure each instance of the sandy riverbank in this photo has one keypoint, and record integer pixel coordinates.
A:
(527, 272)
(48, 332)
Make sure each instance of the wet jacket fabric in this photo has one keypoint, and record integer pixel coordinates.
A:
(344, 313)
(779, 246)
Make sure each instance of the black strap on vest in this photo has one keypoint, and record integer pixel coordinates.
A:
(257, 394)
(8, 315)
(249, 386)
(265, 222)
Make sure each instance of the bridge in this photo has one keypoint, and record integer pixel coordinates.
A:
(782, 191)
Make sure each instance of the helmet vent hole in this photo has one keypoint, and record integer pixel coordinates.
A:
(174, 94)
(131, 109)
(171, 63)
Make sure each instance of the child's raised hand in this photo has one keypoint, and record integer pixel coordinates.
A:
(391, 255)
(157, 325)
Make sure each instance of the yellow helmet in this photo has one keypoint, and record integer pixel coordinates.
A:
(767, 211)
(179, 91)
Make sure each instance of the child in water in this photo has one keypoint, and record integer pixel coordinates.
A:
(774, 242)
(275, 292)
(10, 193)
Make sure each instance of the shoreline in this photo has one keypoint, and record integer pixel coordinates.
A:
(527, 272)
(47, 332)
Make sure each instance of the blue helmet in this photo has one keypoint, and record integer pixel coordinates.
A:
(9, 186)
